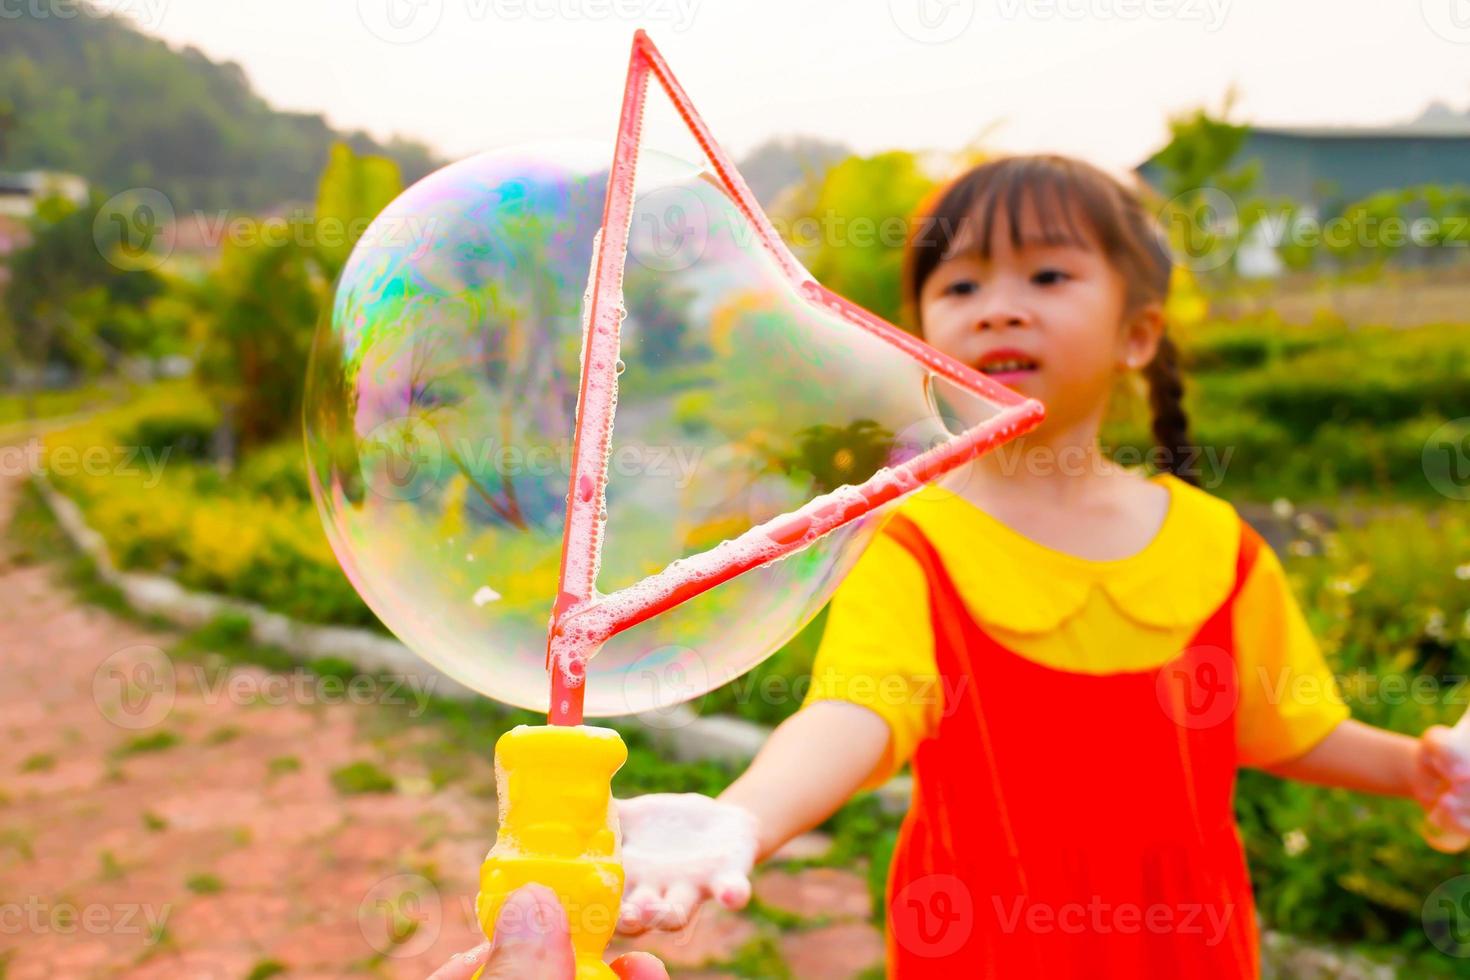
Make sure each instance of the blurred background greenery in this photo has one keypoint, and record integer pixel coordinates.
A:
(1335, 374)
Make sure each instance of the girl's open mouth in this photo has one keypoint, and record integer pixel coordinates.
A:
(1004, 365)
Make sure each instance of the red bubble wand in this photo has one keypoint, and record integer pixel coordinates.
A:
(581, 619)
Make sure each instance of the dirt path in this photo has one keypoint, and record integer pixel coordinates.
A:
(189, 826)
(163, 815)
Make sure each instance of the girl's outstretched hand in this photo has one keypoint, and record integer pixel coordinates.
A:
(680, 849)
(532, 943)
(1442, 785)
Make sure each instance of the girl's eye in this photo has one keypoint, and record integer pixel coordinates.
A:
(961, 287)
(1049, 277)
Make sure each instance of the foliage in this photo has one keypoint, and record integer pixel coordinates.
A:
(264, 298)
(1200, 149)
(1389, 601)
(213, 533)
(67, 304)
(849, 227)
(266, 295)
(1209, 210)
(1314, 413)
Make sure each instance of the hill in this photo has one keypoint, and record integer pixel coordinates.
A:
(94, 96)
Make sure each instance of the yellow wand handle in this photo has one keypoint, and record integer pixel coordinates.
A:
(559, 828)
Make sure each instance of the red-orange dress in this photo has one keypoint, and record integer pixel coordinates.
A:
(1070, 823)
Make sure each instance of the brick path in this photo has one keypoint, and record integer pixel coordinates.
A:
(202, 835)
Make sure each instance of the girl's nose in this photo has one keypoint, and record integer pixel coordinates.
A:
(1002, 318)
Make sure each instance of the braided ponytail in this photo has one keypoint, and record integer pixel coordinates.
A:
(1166, 402)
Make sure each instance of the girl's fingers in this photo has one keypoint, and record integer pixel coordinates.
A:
(731, 889)
(680, 901)
(639, 966)
(1447, 758)
(1451, 815)
(639, 908)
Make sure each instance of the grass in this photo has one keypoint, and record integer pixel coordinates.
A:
(111, 868)
(16, 407)
(221, 735)
(204, 884)
(361, 777)
(40, 762)
(159, 741)
(761, 959)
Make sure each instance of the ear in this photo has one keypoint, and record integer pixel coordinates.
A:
(1139, 339)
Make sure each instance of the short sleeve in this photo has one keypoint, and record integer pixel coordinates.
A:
(1289, 699)
(877, 650)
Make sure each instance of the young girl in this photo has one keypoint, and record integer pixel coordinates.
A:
(1074, 657)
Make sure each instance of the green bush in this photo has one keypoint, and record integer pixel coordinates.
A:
(181, 434)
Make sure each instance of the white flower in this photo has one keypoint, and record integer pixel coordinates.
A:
(1294, 842)
(1462, 572)
(1282, 508)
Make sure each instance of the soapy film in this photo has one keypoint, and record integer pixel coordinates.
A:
(442, 400)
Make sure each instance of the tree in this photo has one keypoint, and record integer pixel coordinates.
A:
(268, 292)
(66, 304)
(850, 226)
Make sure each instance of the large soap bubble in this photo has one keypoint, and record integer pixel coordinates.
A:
(442, 398)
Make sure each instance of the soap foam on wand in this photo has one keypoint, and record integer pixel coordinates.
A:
(596, 404)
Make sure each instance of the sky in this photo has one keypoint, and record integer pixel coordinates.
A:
(1095, 78)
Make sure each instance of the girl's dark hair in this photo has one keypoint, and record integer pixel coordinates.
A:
(1061, 190)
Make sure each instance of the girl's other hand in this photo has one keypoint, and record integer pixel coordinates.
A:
(1442, 785)
(532, 943)
(680, 849)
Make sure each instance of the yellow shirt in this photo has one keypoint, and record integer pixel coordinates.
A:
(1075, 614)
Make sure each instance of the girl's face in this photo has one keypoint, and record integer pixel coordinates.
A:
(1047, 320)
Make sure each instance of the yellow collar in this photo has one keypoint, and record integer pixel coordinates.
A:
(1009, 581)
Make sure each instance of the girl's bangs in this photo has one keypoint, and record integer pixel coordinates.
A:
(1043, 195)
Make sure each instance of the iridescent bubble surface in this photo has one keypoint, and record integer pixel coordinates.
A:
(442, 399)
